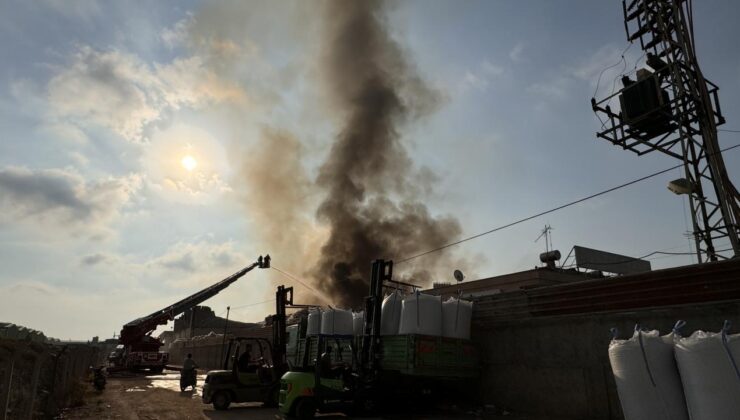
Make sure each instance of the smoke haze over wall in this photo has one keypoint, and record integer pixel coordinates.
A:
(372, 206)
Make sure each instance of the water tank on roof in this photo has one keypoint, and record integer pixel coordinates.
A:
(336, 322)
(421, 314)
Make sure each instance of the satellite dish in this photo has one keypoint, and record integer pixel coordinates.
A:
(458, 275)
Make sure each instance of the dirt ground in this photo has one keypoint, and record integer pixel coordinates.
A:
(159, 397)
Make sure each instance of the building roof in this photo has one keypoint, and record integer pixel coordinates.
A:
(537, 277)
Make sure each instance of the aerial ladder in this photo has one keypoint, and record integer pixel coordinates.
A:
(137, 349)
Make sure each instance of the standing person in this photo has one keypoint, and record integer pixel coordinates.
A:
(188, 374)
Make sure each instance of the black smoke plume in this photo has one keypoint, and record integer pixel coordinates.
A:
(373, 201)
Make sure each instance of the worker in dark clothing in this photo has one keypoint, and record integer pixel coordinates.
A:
(245, 360)
(188, 374)
(325, 363)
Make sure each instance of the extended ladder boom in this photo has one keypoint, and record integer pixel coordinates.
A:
(135, 330)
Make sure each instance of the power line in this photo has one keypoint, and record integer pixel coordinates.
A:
(252, 304)
(572, 203)
(728, 130)
(315, 292)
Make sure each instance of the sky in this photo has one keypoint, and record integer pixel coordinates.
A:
(136, 137)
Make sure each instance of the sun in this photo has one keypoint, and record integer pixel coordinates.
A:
(189, 163)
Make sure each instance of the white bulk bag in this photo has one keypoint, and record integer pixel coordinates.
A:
(456, 316)
(314, 322)
(644, 398)
(390, 314)
(358, 322)
(336, 322)
(708, 370)
(421, 314)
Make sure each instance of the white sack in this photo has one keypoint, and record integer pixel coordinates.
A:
(641, 400)
(421, 314)
(314, 322)
(336, 322)
(709, 378)
(456, 316)
(358, 322)
(390, 314)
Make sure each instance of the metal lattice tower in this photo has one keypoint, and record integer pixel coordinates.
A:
(675, 110)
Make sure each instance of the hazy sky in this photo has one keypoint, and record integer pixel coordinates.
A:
(130, 131)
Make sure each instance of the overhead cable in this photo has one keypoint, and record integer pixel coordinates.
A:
(552, 210)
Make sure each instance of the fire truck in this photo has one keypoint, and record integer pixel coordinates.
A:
(138, 350)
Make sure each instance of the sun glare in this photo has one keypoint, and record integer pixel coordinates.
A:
(189, 163)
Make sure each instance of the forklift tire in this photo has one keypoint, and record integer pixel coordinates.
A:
(221, 400)
(305, 408)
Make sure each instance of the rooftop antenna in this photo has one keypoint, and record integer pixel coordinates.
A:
(547, 233)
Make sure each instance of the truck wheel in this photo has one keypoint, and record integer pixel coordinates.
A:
(157, 370)
(221, 400)
(305, 409)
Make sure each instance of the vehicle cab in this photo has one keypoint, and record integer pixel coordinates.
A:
(308, 387)
(248, 374)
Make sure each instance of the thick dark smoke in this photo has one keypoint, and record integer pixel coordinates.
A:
(372, 204)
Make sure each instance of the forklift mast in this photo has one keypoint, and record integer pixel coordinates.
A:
(283, 299)
(382, 271)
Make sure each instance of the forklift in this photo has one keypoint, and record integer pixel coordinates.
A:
(348, 387)
(252, 366)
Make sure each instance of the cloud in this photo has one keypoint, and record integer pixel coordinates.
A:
(84, 10)
(94, 259)
(516, 53)
(118, 91)
(197, 257)
(482, 77)
(556, 88)
(601, 68)
(62, 199)
(177, 34)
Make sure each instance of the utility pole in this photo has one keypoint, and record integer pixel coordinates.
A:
(673, 109)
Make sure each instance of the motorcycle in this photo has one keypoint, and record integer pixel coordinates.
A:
(99, 378)
(187, 378)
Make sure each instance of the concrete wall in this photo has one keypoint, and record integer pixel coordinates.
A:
(559, 366)
(207, 349)
(38, 379)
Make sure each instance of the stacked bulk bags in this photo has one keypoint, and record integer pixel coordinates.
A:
(358, 322)
(336, 322)
(421, 314)
(314, 322)
(390, 314)
(647, 377)
(456, 316)
(710, 373)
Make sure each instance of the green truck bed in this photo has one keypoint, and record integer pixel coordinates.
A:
(429, 356)
(409, 355)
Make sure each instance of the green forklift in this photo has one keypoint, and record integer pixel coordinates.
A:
(252, 366)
